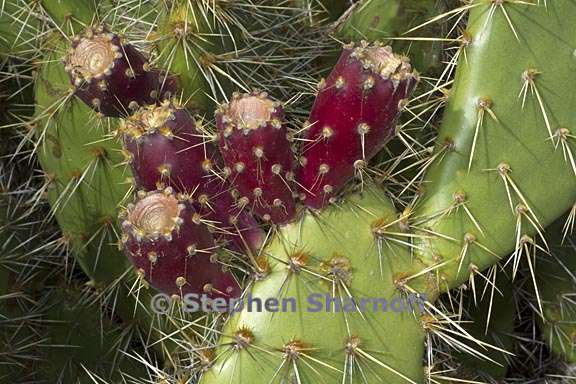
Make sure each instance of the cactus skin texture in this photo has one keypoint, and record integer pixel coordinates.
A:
(167, 242)
(113, 77)
(338, 256)
(488, 191)
(165, 148)
(255, 147)
(353, 116)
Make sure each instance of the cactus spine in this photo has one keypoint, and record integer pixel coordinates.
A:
(556, 287)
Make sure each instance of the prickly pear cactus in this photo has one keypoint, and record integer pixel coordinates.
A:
(464, 192)
(366, 230)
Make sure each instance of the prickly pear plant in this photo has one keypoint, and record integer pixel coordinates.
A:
(83, 167)
(328, 260)
(294, 205)
(460, 226)
(75, 163)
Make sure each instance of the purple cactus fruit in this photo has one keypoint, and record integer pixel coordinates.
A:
(234, 226)
(113, 77)
(165, 239)
(353, 116)
(166, 149)
(253, 140)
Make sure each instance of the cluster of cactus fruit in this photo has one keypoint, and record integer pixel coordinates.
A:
(170, 166)
(195, 195)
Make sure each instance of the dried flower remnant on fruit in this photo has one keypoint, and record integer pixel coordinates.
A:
(155, 214)
(167, 147)
(113, 77)
(251, 112)
(254, 143)
(173, 252)
(94, 58)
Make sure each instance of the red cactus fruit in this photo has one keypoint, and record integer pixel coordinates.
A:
(165, 148)
(234, 227)
(354, 115)
(165, 239)
(254, 143)
(113, 77)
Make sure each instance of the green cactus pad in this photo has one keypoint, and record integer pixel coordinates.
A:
(497, 174)
(83, 166)
(334, 252)
(18, 29)
(187, 47)
(71, 16)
